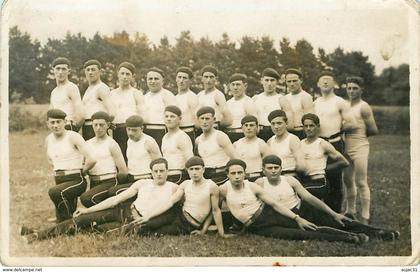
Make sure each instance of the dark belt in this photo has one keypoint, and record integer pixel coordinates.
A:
(333, 138)
(255, 216)
(217, 169)
(59, 173)
(191, 219)
(155, 126)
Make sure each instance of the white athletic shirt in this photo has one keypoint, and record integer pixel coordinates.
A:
(210, 151)
(359, 132)
(125, 104)
(138, 157)
(197, 199)
(242, 204)
(183, 100)
(237, 109)
(250, 153)
(282, 192)
(155, 106)
(315, 157)
(207, 99)
(266, 104)
(282, 149)
(60, 100)
(329, 115)
(151, 195)
(175, 156)
(101, 151)
(91, 101)
(295, 101)
(63, 154)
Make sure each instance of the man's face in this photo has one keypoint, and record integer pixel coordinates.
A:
(159, 173)
(92, 73)
(171, 119)
(237, 88)
(269, 84)
(326, 84)
(183, 81)
(61, 72)
(196, 172)
(353, 91)
(278, 126)
(272, 171)
(250, 129)
(310, 128)
(206, 121)
(209, 80)
(100, 127)
(154, 81)
(125, 77)
(56, 126)
(236, 175)
(293, 82)
(134, 133)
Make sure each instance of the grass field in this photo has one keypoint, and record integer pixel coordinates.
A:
(30, 178)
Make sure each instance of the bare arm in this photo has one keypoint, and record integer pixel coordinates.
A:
(118, 158)
(307, 104)
(169, 99)
(138, 97)
(76, 100)
(104, 96)
(221, 104)
(337, 157)
(285, 106)
(264, 149)
(217, 214)
(349, 122)
(184, 144)
(224, 142)
(367, 115)
(250, 107)
(81, 145)
(153, 149)
(297, 153)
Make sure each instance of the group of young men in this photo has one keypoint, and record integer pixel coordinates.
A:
(270, 164)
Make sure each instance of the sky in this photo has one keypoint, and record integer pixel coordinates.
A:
(378, 28)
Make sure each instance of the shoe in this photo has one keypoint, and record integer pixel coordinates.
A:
(28, 239)
(352, 216)
(23, 230)
(397, 234)
(387, 235)
(212, 228)
(363, 238)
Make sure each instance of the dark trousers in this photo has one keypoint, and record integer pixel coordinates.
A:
(72, 126)
(98, 192)
(299, 133)
(265, 133)
(156, 134)
(219, 177)
(158, 224)
(317, 187)
(234, 136)
(87, 132)
(121, 137)
(191, 132)
(179, 225)
(65, 193)
(334, 197)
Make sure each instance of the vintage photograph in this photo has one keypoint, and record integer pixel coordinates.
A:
(190, 132)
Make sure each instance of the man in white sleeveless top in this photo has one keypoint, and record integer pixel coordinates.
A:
(149, 194)
(213, 146)
(291, 194)
(285, 145)
(156, 99)
(141, 151)
(262, 215)
(176, 145)
(66, 96)
(239, 105)
(270, 100)
(110, 168)
(250, 148)
(300, 101)
(128, 101)
(96, 97)
(187, 101)
(66, 151)
(333, 115)
(212, 97)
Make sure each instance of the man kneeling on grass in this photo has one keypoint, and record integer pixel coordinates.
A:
(151, 194)
(263, 215)
(289, 192)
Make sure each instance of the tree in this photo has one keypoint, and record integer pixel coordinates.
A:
(392, 87)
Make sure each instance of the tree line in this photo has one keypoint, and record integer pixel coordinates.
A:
(31, 78)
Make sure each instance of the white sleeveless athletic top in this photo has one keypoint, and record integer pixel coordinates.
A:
(90, 99)
(208, 99)
(155, 106)
(250, 153)
(101, 151)
(266, 104)
(172, 153)
(237, 109)
(210, 151)
(197, 199)
(329, 115)
(243, 204)
(282, 192)
(138, 157)
(315, 157)
(295, 101)
(360, 132)
(125, 104)
(282, 149)
(150, 195)
(60, 100)
(188, 115)
(63, 154)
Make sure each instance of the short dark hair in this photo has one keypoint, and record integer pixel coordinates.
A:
(61, 60)
(134, 121)
(184, 69)
(294, 71)
(326, 73)
(209, 68)
(128, 66)
(158, 161)
(312, 117)
(56, 114)
(205, 110)
(238, 76)
(355, 79)
(273, 159)
(235, 162)
(270, 72)
(248, 119)
(277, 113)
(156, 70)
(101, 115)
(92, 62)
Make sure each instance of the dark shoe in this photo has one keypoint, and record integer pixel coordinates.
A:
(23, 230)
(388, 235)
